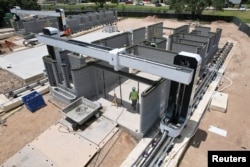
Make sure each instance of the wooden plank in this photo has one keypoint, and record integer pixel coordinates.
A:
(8, 114)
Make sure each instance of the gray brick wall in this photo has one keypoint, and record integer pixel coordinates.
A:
(153, 104)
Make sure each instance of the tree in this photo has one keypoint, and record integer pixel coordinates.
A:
(100, 3)
(178, 6)
(195, 7)
(218, 4)
(6, 5)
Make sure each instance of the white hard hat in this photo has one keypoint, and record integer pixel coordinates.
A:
(133, 88)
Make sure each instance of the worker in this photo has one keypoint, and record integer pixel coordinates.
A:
(134, 97)
(115, 103)
(8, 44)
(67, 32)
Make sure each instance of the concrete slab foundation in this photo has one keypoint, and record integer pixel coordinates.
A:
(65, 148)
(123, 113)
(219, 102)
(25, 64)
(29, 156)
(122, 116)
(99, 130)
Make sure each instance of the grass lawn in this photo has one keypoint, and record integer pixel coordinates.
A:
(119, 7)
(242, 15)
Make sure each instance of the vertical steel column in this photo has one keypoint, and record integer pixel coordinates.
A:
(120, 88)
(138, 87)
(65, 75)
(104, 87)
(55, 72)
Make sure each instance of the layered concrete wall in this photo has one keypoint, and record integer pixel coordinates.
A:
(202, 52)
(139, 35)
(153, 54)
(75, 22)
(194, 37)
(190, 42)
(155, 30)
(182, 29)
(90, 81)
(200, 41)
(153, 104)
(203, 31)
(84, 80)
(211, 42)
(162, 44)
(178, 47)
(106, 78)
(218, 35)
(116, 41)
(51, 70)
(37, 25)
(75, 60)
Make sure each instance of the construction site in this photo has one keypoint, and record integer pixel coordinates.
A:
(98, 90)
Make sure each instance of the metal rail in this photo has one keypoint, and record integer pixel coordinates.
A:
(212, 72)
(151, 150)
(157, 150)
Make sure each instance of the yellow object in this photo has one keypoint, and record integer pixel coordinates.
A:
(114, 102)
(134, 95)
(10, 113)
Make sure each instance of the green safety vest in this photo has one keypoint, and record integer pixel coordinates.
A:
(134, 95)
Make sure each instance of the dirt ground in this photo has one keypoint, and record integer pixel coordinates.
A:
(3, 47)
(24, 126)
(9, 81)
(112, 155)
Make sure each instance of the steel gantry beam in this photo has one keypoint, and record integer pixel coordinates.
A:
(59, 13)
(119, 59)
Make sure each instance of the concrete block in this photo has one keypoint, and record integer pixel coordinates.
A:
(219, 102)
(3, 99)
(7, 106)
(43, 90)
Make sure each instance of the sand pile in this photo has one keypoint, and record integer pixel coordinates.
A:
(151, 18)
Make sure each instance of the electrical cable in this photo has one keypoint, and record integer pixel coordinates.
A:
(119, 114)
(66, 128)
(231, 83)
(97, 158)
